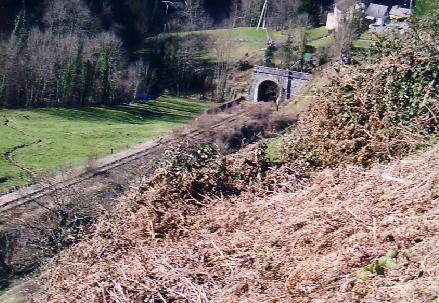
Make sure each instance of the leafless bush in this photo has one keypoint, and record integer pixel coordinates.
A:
(287, 246)
(45, 227)
(256, 122)
(91, 166)
(69, 17)
(322, 55)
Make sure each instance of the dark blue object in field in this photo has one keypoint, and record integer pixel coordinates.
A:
(144, 96)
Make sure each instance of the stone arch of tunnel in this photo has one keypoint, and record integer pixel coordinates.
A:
(268, 91)
(289, 83)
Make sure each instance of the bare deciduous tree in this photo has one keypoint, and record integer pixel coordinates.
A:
(137, 73)
(68, 17)
(223, 52)
(295, 47)
(350, 23)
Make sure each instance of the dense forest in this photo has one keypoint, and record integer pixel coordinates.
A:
(132, 19)
(87, 52)
(83, 52)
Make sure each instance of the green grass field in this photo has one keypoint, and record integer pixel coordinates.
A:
(423, 7)
(364, 41)
(322, 42)
(249, 40)
(250, 34)
(54, 139)
(317, 33)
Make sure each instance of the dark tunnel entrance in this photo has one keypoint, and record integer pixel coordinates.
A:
(268, 91)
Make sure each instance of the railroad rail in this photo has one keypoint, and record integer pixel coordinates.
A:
(20, 198)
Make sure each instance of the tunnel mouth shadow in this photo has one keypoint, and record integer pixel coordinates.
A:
(268, 91)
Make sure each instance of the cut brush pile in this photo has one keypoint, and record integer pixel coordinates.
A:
(320, 243)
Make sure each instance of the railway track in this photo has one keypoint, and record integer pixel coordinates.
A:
(14, 200)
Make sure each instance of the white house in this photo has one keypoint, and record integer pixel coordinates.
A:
(380, 15)
(331, 21)
(398, 13)
(343, 10)
(377, 13)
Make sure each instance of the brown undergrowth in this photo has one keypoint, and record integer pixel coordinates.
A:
(253, 121)
(302, 245)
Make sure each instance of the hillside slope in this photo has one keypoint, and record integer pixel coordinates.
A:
(339, 218)
(303, 245)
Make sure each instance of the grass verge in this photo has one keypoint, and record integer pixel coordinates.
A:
(50, 139)
(298, 105)
(364, 41)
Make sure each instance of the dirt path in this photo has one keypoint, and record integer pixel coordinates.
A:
(9, 155)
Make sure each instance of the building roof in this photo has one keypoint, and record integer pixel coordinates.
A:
(377, 10)
(345, 5)
(400, 12)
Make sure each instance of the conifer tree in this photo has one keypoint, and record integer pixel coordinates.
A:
(19, 32)
(310, 7)
(71, 80)
(86, 81)
(104, 71)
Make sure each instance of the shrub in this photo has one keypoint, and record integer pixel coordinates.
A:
(194, 173)
(243, 65)
(374, 112)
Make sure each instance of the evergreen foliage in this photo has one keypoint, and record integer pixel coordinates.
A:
(104, 71)
(71, 78)
(242, 65)
(295, 49)
(359, 23)
(312, 9)
(376, 111)
(424, 7)
(87, 77)
(19, 32)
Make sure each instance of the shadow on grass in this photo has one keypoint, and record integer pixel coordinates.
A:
(160, 110)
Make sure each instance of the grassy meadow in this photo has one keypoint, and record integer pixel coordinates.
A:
(238, 42)
(42, 141)
(423, 7)
(231, 45)
(365, 41)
